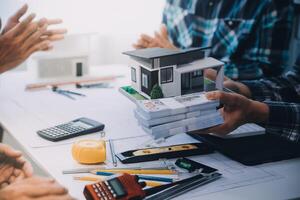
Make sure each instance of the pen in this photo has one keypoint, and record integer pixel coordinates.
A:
(112, 151)
(150, 178)
(137, 171)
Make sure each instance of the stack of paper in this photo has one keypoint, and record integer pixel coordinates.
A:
(169, 116)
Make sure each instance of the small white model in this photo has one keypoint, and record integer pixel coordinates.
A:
(159, 72)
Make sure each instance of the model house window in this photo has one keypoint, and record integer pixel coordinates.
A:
(166, 75)
(197, 73)
(133, 74)
(144, 80)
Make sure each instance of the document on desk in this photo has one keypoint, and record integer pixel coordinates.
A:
(234, 174)
(43, 109)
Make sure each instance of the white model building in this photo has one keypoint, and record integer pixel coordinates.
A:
(177, 72)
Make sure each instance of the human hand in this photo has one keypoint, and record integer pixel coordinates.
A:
(237, 111)
(13, 166)
(53, 35)
(160, 39)
(234, 86)
(14, 19)
(20, 39)
(35, 188)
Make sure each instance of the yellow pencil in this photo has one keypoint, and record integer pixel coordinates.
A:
(96, 179)
(137, 171)
(87, 178)
(152, 183)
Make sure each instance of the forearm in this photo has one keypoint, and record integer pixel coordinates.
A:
(279, 118)
(257, 112)
(257, 90)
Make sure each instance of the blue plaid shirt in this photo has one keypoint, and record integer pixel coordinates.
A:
(282, 94)
(251, 37)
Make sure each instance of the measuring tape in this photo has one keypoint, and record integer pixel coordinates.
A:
(89, 151)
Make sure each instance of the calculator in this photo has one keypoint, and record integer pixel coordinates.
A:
(119, 187)
(71, 129)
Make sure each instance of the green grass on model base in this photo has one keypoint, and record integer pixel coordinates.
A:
(132, 92)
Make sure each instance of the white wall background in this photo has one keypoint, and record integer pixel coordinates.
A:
(114, 24)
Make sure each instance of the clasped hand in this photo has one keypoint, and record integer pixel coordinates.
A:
(13, 166)
(20, 39)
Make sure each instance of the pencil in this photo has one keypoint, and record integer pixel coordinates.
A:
(137, 171)
(95, 179)
(152, 183)
(89, 169)
(87, 178)
(150, 178)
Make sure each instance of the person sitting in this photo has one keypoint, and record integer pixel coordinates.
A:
(272, 102)
(251, 37)
(19, 40)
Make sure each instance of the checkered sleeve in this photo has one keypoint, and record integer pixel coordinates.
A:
(266, 50)
(285, 88)
(284, 120)
(282, 95)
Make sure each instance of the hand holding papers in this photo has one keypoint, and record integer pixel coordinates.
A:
(169, 116)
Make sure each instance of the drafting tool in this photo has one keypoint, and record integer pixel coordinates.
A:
(177, 188)
(75, 81)
(138, 171)
(155, 153)
(93, 85)
(67, 93)
(193, 166)
(150, 178)
(112, 151)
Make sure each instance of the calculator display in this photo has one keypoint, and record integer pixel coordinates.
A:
(82, 124)
(117, 187)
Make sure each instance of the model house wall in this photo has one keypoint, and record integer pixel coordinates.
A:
(135, 71)
(169, 87)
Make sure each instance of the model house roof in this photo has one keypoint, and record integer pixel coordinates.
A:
(208, 62)
(160, 57)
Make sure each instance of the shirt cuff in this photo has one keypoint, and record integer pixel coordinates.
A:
(284, 120)
(259, 91)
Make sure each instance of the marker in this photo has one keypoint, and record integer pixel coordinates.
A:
(137, 171)
(150, 178)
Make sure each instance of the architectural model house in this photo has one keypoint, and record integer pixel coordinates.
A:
(172, 72)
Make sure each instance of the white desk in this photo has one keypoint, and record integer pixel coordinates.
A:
(22, 113)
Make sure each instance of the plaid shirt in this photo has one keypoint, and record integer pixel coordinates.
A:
(251, 37)
(282, 95)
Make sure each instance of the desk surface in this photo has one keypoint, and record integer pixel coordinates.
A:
(22, 113)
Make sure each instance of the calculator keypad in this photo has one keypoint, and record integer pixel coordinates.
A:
(61, 131)
(71, 129)
(101, 191)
